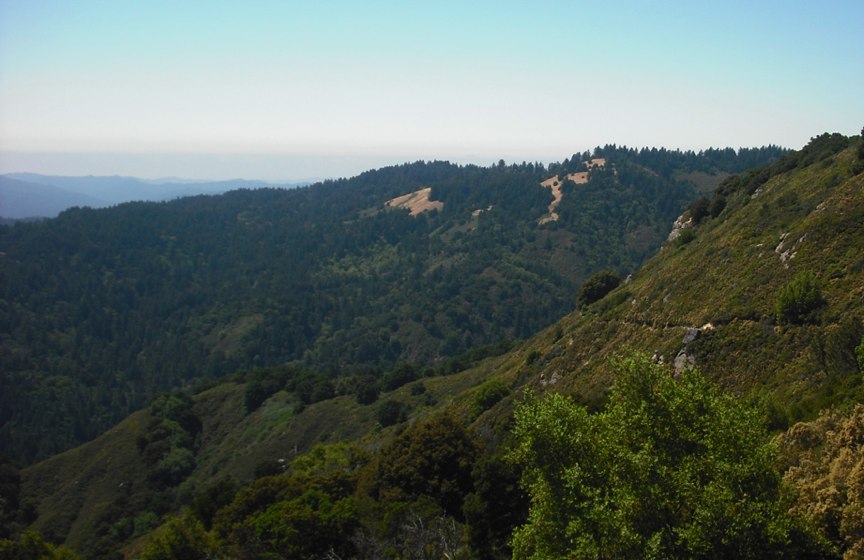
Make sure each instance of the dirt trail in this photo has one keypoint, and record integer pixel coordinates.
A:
(555, 184)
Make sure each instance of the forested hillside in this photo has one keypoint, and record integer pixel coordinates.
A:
(610, 448)
(100, 309)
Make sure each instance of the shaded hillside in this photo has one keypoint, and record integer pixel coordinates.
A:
(102, 308)
(118, 487)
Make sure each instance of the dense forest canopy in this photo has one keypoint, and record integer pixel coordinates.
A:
(101, 309)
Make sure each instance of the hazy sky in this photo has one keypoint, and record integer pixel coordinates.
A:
(296, 89)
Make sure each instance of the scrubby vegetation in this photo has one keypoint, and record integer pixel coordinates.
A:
(825, 464)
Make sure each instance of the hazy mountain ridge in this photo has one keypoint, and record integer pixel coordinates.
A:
(36, 195)
(25, 199)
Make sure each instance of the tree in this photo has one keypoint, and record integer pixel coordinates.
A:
(799, 299)
(433, 458)
(206, 503)
(488, 395)
(31, 546)
(671, 469)
(597, 286)
(392, 412)
(700, 209)
(305, 527)
(295, 515)
(179, 538)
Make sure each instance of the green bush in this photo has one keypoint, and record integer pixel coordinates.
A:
(30, 545)
(597, 286)
(687, 235)
(489, 393)
(392, 412)
(799, 299)
(180, 537)
(700, 209)
(432, 458)
(671, 469)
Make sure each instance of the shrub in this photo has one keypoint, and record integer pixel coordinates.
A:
(671, 469)
(392, 412)
(700, 209)
(258, 391)
(597, 286)
(686, 236)
(489, 394)
(799, 299)
(718, 203)
(367, 392)
(180, 537)
(433, 458)
(532, 357)
(30, 545)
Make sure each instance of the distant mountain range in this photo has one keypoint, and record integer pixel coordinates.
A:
(31, 195)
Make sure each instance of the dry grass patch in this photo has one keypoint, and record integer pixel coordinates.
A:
(416, 202)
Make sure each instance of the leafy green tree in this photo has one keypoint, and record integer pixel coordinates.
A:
(31, 546)
(718, 203)
(367, 390)
(180, 538)
(392, 412)
(206, 503)
(671, 469)
(331, 458)
(433, 458)
(292, 515)
(259, 390)
(799, 299)
(489, 393)
(308, 526)
(597, 286)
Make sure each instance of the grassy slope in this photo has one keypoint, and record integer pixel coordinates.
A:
(729, 275)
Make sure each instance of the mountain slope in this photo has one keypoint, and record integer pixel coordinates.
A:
(709, 299)
(101, 309)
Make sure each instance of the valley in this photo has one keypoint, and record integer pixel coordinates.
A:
(365, 454)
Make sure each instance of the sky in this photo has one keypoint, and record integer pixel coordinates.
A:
(292, 90)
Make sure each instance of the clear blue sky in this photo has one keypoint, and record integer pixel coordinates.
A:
(293, 89)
